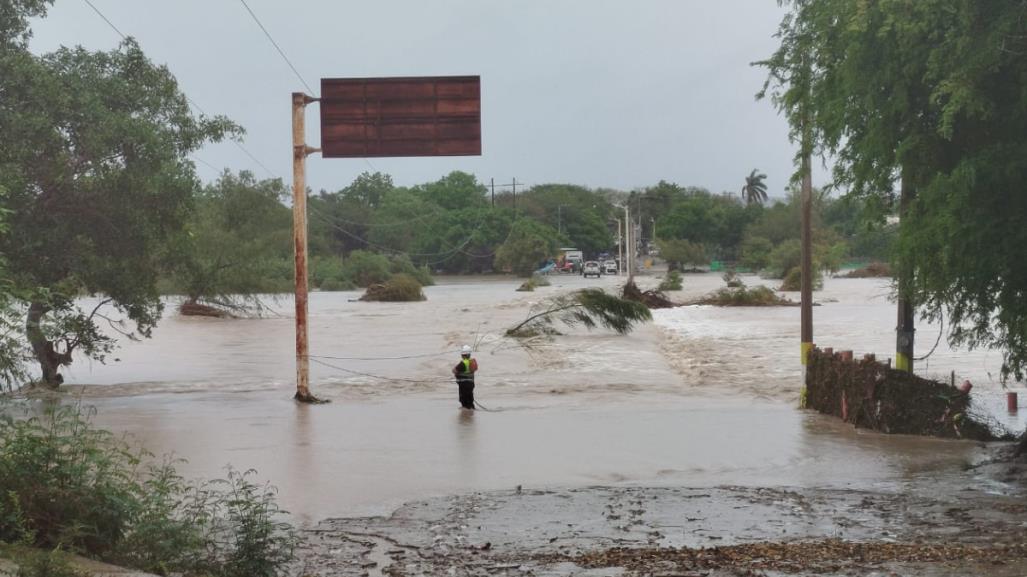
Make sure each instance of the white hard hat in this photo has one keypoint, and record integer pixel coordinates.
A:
(466, 350)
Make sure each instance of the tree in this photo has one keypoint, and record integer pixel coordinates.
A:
(588, 307)
(951, 129)
(454, 191)
(527, 247)
(93, 155)
(239, 231)
(579, 213)
(754, 191)
(679, 252)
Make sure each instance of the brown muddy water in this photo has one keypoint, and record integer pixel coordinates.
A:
(701, 397)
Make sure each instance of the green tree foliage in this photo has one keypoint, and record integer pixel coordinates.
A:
(237, 237)
(718, 222)
(951, 125)
(94, 161)
(454, 191)
(580, 214)
(590, 308)
(527, 247)
(754, 191)
(756, 252)
(678, 253)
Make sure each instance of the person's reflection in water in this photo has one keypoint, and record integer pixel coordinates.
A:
(467, 447)
(466, 419)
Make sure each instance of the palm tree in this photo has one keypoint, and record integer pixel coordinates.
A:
(754, 190)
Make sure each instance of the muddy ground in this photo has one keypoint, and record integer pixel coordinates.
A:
(602, 531)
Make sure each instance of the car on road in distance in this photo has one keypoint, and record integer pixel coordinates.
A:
(591, 268)
(610, 267)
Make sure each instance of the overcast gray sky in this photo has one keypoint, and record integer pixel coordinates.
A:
(593, 92)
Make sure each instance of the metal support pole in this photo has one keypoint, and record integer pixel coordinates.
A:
(559, 219)
(493, 182)
(300, 150)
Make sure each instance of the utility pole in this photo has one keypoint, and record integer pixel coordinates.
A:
(806, 321)
(905, 330)
(559, 219)
(300, 150)
(627, 243)
(620, 255)
(493, 181)
(515, 194)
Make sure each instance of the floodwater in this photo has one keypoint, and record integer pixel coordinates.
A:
(701, 397)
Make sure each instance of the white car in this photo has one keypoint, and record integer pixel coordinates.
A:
(591, 268)
(610, 267)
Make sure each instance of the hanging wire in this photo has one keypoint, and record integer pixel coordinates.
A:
(191, 102)
(941, 329)
(277, 47)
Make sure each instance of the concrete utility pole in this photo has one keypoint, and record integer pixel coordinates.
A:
(300, 150)
(493, 182)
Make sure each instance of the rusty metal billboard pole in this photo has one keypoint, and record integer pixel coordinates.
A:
(300, 150)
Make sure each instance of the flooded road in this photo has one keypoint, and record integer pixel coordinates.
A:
(701, 397)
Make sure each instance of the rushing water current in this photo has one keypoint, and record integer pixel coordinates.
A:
(699, 397)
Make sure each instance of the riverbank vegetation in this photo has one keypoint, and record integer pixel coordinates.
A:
(71, 487)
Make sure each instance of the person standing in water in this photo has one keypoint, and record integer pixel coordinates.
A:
(464, 373)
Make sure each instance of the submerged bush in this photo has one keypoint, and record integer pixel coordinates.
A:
(759, 296)
(534, 282)
(399, 288)
(671, 283)
(68, 484)
(793, 280)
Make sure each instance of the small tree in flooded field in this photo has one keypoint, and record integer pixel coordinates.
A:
(94, 161)
(238, 234)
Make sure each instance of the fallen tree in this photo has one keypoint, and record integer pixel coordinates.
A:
(653, 299)
(589, 307)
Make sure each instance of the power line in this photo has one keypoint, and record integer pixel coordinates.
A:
(277, 47)
(191, 102)
(109, 23)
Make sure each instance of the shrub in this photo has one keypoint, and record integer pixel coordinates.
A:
(400, 264)
(756, 252)
(759, 296)
(68, 484)
(327, 270)
(793, 280)
(534, 282)
(366, 268)
(337, 285)
(35, 563)
(672, 282)
(731, 278)
(784, 258)
(399, 288)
